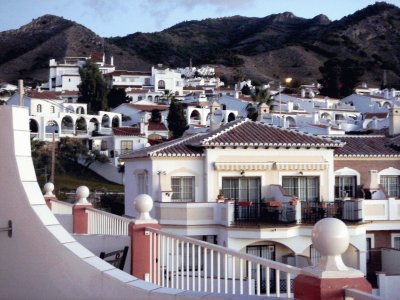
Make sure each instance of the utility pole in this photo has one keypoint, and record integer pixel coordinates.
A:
(53, 158)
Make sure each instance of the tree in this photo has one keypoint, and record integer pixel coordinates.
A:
(155, 116)
(263, 96)
(246, 90)
(116, 97)
(252, 112)
(339, 77)
(176, 119)
(93, 88)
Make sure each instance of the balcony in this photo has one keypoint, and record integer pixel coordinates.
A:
(247, 213)
(279, 213)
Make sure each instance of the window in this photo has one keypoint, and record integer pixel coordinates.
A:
(126, 146)
(52, 109)
(39, 108)
(391, 184)
(142, 183)
(182, 188)
(266, 252)
(304, 187)
(345, 186)
(242, 188)
(161, 84)
(396, 240)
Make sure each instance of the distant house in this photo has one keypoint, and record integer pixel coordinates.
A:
(140, 110)
(122, 141)
(50, 113)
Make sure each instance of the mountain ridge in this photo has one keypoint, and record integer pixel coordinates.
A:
(263, 49)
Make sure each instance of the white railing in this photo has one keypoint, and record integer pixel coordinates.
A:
(61, 207)
(101, 222)
(50, 136)
(359, 295)
(189, 264)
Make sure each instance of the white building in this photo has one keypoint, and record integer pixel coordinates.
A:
(166, 79)
(65, 76)
(49, 114)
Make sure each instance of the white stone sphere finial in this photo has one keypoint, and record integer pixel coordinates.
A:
(330, 237)
(82, 193)
(48, 189)
(143, 204)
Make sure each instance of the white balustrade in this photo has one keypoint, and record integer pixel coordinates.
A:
(189, 264)
(61, 207)
(101, 222)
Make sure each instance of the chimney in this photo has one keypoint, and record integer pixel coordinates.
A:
(372, 182)
(392, 93)
(21, 92)
(303, 93)
(112, 60)
(386, 93)
(394, 120)
(143, 127)
(236, 94)
(289, 105)
(263, 111)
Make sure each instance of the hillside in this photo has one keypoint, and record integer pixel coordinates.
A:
(25, 52)
(264, 49)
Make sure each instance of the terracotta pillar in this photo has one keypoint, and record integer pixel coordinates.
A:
(140, 249)
(140, 242)
(329, 279)
(80, 217)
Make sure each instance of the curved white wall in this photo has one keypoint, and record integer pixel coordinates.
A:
(42, 260)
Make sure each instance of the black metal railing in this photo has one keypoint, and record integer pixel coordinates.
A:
(348, 210)
(262, 213)
(248, 213)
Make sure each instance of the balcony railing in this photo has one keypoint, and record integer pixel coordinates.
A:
(248, 213)
(185, 263)
(348, 210)
(263, 213)
(101, 222)
(61, 207)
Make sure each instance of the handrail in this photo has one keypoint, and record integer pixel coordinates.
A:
(185, 263)
(275, 264)
(359, 295)
(101, 222)
(61, 207)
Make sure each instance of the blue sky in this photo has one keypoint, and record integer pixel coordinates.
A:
(121, 17)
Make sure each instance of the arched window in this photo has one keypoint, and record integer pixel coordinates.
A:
(161, 84)
(39, 108)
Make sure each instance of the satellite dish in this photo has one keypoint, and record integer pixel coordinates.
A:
(217, 116)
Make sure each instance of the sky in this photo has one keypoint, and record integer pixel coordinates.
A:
(110, 18)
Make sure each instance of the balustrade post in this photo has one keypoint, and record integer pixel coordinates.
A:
(48, 194)
(140, 242)
(80, 217)
(331, 276)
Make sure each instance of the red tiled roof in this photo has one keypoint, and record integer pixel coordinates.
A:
(138, 91)
(157, 126)
(366, 145)
(376, 115)
(238, 134)
(47, 95)
(127, 131)
(66, 93)
(126, 72)
(248, 133)
(148, 108)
